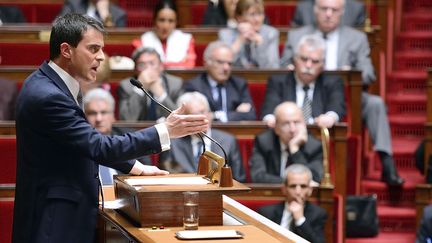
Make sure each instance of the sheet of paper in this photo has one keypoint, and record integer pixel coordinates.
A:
(192, 180)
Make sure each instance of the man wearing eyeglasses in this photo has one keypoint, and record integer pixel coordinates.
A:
(320, 96)
(286, 144)
(348, 48)
(227, 95)
(134, 105)
(296, 213)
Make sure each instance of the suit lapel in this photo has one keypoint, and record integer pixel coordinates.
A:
(342, 54)
(317, 103)
(186, 156)
(290, 87)
(276, 153)
(208, 91)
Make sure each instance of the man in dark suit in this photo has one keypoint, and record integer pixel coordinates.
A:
(134, 105)
(56, 198)
(324, 92)
(424, 232)
(288, 143)
(348, 48)
(354, 14)
(227, 95)
(296, 213)
(10, 15)
(185, 151)
(105, 11)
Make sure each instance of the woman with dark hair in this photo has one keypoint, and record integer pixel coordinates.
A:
(176, 48)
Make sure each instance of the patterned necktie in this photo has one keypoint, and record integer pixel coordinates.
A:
(80, 99)
(307, 105)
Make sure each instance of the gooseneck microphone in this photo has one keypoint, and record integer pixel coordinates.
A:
(139, 85)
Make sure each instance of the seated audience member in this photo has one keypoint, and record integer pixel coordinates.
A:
(99, 110)
(176, 48)
(285, 144)
(105, 11)
(253, 43)
(298, 214)
(348, 48)
(220, 13)
(134, 105)
(11, 15)
(424, 232)
(227, 95)
(354, 14)
(103, 75)
(320, 96)
(8, 95)
(185, 152)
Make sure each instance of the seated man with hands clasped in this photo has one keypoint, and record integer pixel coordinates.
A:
(285, 144)
(296, 213)
(134, 105)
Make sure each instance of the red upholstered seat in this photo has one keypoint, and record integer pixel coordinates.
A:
(6, 220)
(7, 160)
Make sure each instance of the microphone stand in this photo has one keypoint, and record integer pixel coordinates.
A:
(226, 173)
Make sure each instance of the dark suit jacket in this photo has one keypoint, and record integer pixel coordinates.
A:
(354, 15)
(424, 232)
(11, 14)
(80, 6)
(181, 159)
(58, 152)
(266, 158)
(312, 229)
(8, 95)
(328, 94)
(237, 93)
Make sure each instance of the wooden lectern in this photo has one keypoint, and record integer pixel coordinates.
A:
(161, 204)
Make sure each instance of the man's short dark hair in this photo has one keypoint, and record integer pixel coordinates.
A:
(147, 50)
(69, 28)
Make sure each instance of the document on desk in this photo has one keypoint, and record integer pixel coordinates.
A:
(190, 180)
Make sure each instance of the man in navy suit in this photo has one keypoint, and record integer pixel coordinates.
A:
(325, 92)
(296, 213)
(227, 95)
(57, 185)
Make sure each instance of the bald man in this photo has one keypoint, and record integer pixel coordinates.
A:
(285, 144)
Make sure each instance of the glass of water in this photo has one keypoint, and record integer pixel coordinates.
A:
(190, 210)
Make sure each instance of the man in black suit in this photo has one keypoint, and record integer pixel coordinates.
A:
(288, 143)
(324, 92)
(11, 15)
(296, 213)
(57, 182)
(184, 153)
(354, 14)
(227, 95)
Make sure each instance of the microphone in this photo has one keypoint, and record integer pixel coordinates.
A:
(139, 85)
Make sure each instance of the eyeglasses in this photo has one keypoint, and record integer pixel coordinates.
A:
(323, 9)
(253, 15)
(306, 59)
(221, 63)
(95, 113)
(302, 186)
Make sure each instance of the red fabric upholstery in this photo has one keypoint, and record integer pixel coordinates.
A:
(257, 92)
(246, 146)
(8, 159)
(6, 220)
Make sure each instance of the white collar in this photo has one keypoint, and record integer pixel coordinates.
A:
(71, 83)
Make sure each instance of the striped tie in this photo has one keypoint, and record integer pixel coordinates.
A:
(307, 105)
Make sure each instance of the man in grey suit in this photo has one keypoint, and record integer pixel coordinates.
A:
(349, 48)
(354, 14)
(185, 152)
(134, 105)
(288, 143)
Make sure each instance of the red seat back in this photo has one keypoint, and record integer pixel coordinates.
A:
(6, 220)
(8, 160)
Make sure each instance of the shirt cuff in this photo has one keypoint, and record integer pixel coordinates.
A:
(137, 169)
(333, 114)
(163, 136)
(268, 117)
(221, 116)
(300, 221)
